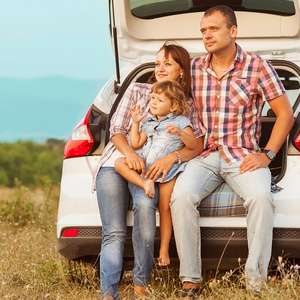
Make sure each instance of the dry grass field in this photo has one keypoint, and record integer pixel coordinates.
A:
(31, 268)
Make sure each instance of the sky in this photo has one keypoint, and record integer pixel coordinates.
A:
(55, 38)
(55, 56)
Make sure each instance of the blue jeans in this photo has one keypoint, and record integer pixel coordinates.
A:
(113, 195)
(199, 179)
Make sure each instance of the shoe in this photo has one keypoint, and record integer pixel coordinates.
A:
(189, 293)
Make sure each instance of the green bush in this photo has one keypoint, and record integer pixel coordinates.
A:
(31, 163)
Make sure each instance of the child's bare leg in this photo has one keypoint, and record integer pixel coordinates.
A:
(165, 191)
(133, 176)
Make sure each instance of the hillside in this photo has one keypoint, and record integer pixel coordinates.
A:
(42, 108)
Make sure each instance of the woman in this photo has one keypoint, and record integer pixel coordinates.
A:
(172, 63)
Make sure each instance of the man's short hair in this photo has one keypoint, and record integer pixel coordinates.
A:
(226, 11)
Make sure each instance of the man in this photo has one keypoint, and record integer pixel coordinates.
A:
(230, 87)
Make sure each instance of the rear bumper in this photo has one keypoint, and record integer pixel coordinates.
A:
(231, 242)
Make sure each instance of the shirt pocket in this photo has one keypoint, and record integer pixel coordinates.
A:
(240, 92)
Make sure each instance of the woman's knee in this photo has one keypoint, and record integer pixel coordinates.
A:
(110, 184)
(114, 234)
(144, 205)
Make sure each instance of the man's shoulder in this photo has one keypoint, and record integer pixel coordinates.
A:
(200, 60)
(252, 57)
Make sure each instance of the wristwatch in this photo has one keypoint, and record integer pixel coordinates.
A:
(270, 154)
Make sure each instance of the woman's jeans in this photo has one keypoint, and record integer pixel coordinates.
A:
(113, 195)
(199, 179)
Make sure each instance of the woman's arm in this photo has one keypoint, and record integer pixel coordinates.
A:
(135, 94)
(134, 161)
(121, 123)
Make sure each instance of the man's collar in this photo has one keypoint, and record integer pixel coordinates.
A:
(238, 57)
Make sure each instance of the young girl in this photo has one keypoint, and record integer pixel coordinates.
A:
(166, 130)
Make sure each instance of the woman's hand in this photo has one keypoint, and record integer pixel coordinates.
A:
(162, 166)
(135, 162)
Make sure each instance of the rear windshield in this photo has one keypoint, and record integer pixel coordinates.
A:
(150, 9)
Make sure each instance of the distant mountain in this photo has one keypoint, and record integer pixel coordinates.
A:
(42, 108)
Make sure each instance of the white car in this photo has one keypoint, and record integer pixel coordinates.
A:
(139, 28)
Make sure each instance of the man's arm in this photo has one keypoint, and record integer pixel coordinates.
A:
(283, 125)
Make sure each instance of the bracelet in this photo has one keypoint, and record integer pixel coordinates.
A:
(179, 157)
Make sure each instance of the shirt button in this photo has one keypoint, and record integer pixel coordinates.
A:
(217, 111)
(218, 82)
(218, 96)
(216, 142)
(216, 126)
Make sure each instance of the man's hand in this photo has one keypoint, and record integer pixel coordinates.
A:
(135, 162)
(253, 162)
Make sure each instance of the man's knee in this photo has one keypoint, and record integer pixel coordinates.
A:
(261, 199)
(182, 200)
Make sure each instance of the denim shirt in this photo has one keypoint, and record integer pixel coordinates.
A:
(159, 142)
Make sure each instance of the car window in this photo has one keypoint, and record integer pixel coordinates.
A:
(292, 86)
(149, 9)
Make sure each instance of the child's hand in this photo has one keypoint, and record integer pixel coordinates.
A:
(173, 130)
(136, 115)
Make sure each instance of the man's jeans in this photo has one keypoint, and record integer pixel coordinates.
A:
(113, 195)
(199, 179)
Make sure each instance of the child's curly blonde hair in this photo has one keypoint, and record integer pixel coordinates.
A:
(173, 90)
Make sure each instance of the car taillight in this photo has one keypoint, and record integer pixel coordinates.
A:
(297, 141)
(80, 141)
(70, 233)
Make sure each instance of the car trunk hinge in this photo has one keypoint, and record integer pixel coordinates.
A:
(115, 46)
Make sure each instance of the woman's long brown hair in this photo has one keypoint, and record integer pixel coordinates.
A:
(182, 57)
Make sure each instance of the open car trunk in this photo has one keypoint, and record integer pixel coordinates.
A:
(287, 71)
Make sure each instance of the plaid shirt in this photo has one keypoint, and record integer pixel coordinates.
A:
(230, 107)
(137, 94)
